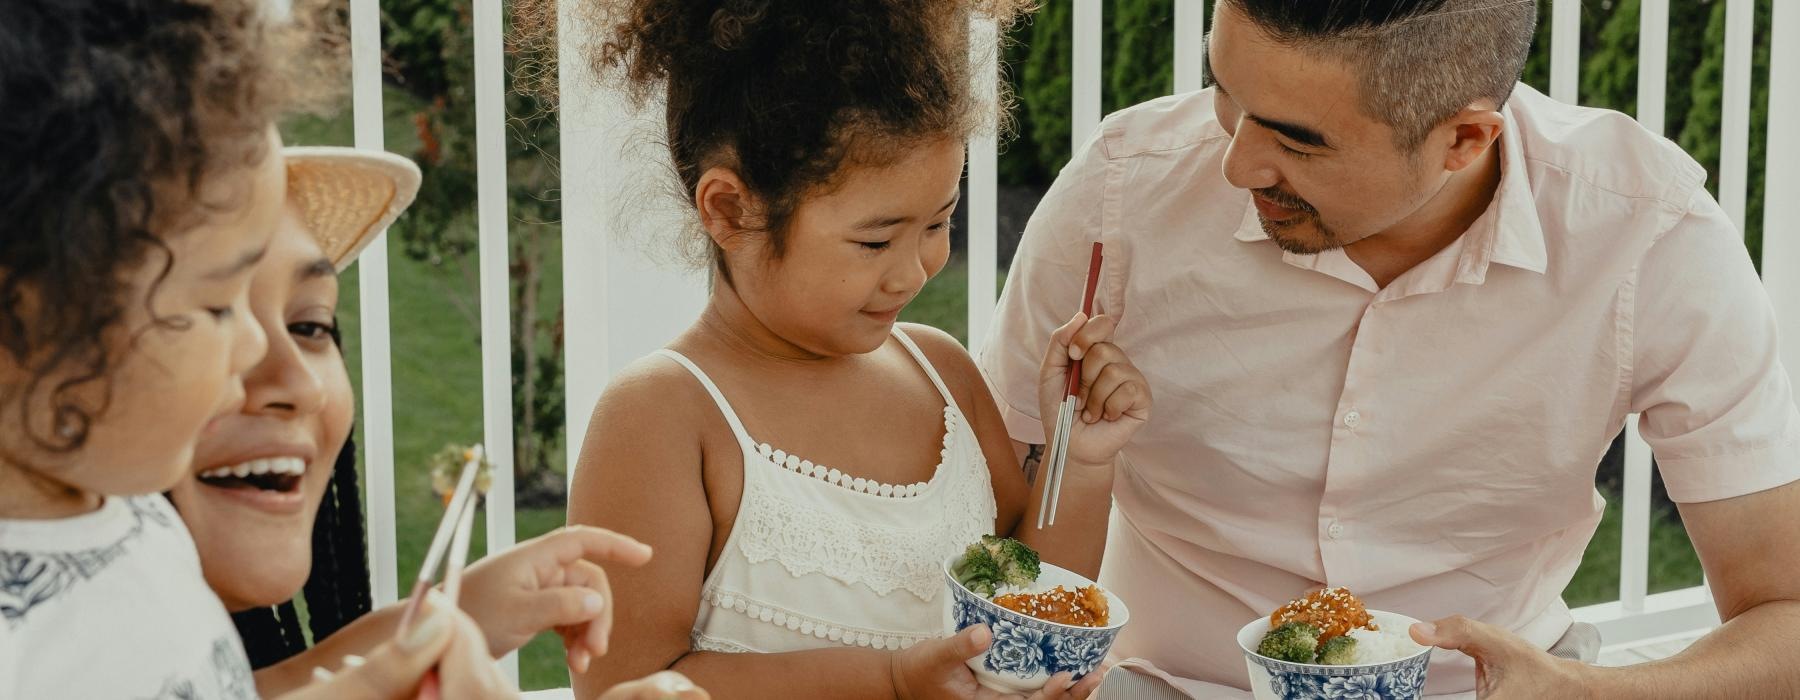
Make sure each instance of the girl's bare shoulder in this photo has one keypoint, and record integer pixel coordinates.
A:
(949, 357)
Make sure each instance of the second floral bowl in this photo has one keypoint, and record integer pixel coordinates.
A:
(1027, 651)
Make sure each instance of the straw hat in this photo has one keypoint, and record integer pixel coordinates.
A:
(347, 195)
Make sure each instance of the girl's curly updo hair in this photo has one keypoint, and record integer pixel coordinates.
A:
(112, 115)
(787, 92)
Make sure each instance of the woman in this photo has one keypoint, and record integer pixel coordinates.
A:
(272, 498)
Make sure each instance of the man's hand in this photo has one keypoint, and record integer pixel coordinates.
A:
(1507, 667)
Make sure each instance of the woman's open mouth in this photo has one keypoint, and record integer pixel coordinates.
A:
(270, 484)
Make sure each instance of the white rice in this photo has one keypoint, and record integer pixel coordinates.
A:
(1382, 646)
(1035, 588)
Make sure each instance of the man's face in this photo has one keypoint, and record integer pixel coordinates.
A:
(1324, 174)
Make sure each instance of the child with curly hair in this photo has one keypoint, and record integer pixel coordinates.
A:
(820, 144)
(142, 184)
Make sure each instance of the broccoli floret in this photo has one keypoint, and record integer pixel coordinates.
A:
(978, 571)
(1294, 642)
(996, 561)
(1019, 565)
(1338, 651)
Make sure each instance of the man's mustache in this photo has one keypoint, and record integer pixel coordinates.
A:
(1284, 199)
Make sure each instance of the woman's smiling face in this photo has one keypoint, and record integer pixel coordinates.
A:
(258, 476)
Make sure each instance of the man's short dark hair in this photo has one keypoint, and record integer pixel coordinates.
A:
(1419, 61)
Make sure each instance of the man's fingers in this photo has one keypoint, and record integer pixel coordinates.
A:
(1477, 639)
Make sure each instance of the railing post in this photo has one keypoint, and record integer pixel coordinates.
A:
(984, 177)
(1634, 528)
(1565, 50)
(377, 365)
(1190, 45)
(1781, 209)
(1086, 68)
(496, 283)
(1734, 141)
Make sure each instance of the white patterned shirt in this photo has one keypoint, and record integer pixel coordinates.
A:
(112, 604)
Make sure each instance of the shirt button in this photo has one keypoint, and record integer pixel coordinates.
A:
(1352, 419)
(1336, 530)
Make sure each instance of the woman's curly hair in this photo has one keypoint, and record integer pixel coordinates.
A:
(786, 92)
(112, 115)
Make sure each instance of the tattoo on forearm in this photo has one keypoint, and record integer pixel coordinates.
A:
(1033, 457)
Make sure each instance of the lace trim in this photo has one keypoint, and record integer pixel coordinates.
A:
(805, 541)
(805, 625)
(806, 467)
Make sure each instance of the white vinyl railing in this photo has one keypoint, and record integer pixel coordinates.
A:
(622, 305)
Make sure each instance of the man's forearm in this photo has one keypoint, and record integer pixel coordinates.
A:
(1750, 656)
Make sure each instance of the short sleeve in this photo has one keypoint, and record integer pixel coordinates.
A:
(1044, 286)
(1715, 403)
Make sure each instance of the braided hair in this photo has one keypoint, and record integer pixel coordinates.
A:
(336, 591)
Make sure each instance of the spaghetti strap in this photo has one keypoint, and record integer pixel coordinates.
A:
(930, 371)
(718, 397)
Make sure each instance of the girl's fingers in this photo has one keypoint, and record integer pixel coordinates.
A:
(1056, 356)
(1087, 686)
(1098, 329)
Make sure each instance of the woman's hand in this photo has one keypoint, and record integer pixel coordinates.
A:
(938, 668)
(1113, 400)
(667, 685)
(443, 638)
(550, 582)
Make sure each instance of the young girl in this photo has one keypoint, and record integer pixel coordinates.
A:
(141, 185)
(271, 497)
(801, 464)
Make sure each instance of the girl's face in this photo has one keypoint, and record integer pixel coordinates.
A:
(856, 254)
(259, 474)
(178, 352)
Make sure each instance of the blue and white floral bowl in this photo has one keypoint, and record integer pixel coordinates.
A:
(1401, 679)
(1027, 651)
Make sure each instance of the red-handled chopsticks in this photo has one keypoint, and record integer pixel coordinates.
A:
(1065, 416)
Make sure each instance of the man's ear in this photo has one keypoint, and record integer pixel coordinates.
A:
(1472, 132)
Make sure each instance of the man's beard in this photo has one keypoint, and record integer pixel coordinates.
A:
(1278, 231)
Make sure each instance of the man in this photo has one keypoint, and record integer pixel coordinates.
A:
(1395, 307)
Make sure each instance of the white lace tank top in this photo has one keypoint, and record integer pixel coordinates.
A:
(818, 559)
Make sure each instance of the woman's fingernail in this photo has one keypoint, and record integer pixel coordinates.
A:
(428, 628)
(673, 683)
(352, 661)
(1426, 629)
(592, 602)
(320, 675)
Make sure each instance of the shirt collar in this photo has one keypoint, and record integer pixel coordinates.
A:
(1508, 233)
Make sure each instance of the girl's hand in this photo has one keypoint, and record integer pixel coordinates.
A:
(1113, 400)
(938, 668)
(550, 582)
(443, 638)
(666, 685)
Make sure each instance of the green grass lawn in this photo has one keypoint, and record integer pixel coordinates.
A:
(437, 391)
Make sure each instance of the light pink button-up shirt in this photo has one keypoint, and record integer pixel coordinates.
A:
(1432, 444)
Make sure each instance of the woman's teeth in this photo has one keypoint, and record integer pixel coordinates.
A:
(282, 466)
